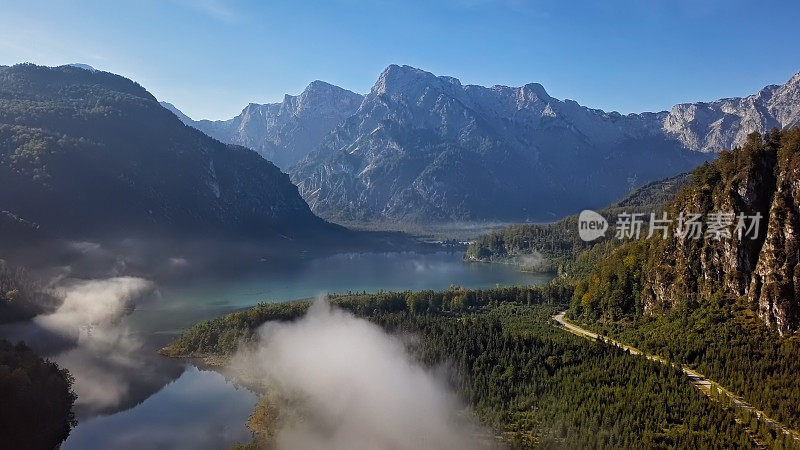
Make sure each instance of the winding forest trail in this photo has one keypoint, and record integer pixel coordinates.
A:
(699, 381)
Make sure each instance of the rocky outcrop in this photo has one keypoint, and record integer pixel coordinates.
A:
(725, 123)
(284, 132)
(739, 183)
(760, 179)
(775, 283)
(423, 148)
(755, 256)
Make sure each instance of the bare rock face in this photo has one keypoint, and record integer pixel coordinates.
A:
(762, 178)
(424, 148)
(687, 265)
(725, 123)
(775, 284)
(285, 132)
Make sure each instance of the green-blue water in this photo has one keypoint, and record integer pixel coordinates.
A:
(183, 407)
(176, 307)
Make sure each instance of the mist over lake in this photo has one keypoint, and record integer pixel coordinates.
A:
(188, 400)
(415, 225)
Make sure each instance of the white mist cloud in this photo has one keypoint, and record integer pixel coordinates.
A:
(533, 260)
(354, 387)
(91, 303)
(105, 354)
(99, 363)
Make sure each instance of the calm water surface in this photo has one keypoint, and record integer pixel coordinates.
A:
(184, 407)
(200, 409)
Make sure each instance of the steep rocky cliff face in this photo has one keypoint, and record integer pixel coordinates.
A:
(761, 179)
(775, 284)
(425, 148)
(725, 123)
(285, 132)
(739, 182)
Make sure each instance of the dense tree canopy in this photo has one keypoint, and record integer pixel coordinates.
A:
(559, 242)
(534, 384)
(703, 315)
(36, 400)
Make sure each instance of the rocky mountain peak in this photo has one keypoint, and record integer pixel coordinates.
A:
(287, 131)
(533, 91)
(399, 151)
(321, 98)
(321, 87)
(795, 80)
(404, 79)
(425, 148)
(725, 123)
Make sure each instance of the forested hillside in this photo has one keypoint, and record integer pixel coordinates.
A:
(536, 386)
(36, 400)
(87, 153)
(725, 341)
(557, 245)
(727, 307)
(652, 275)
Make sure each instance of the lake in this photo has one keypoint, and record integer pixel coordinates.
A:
(170, 404)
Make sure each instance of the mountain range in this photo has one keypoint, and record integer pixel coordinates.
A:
(420, 148)
(89, 153)
(281, 132)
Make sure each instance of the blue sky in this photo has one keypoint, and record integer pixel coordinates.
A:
(212, 57)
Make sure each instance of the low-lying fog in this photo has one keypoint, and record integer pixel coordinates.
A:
(85, 335)
(348, 385)
(121, 301)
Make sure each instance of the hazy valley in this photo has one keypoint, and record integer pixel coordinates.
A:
(421, 264)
